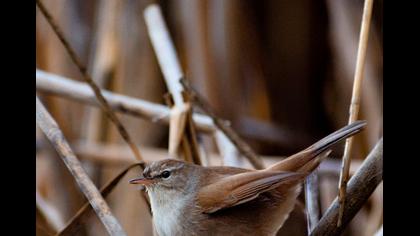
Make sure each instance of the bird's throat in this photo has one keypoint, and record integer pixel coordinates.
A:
(167, 209)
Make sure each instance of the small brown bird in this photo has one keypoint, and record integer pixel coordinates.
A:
(188, 199)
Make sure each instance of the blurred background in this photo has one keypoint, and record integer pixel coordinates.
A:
(280, 71)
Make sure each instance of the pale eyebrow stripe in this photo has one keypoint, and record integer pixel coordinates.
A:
(173, 168)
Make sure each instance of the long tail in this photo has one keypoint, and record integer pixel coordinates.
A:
(309, 159)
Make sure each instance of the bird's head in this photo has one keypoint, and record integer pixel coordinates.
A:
(167, 175)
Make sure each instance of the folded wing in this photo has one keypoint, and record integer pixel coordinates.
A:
(240, 188)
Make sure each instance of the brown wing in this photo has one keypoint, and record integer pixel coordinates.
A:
(240, 188)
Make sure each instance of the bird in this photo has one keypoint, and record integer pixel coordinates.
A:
(189, 199)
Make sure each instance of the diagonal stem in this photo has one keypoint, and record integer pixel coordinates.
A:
(50, 128)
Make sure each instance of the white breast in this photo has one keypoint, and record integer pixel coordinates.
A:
(166, 213)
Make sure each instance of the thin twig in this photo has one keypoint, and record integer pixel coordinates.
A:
(312, 200)
(355, 101)
(103, 103)
(50, 128)
(240, 144)
(360, 187)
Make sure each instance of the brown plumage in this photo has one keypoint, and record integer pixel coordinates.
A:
(188, 199)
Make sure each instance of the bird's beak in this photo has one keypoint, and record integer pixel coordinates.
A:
(142, 181)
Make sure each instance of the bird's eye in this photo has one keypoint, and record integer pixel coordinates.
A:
(165, 174)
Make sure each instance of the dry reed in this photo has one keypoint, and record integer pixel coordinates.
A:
(355, 102)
